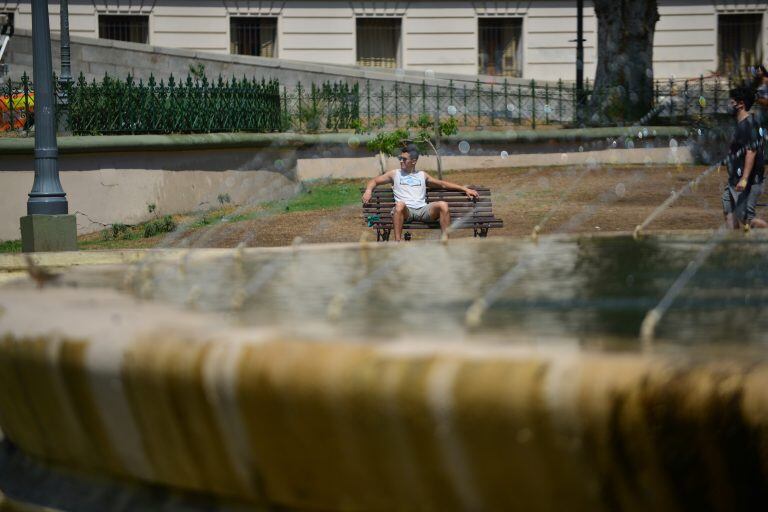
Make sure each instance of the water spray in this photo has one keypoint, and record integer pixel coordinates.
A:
(652, 317)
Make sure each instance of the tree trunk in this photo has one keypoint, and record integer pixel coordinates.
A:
(623, 90)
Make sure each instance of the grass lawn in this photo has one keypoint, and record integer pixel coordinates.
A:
(315, 196)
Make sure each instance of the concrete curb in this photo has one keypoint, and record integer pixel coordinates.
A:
(174, 142)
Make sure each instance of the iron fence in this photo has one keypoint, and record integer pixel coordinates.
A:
(197, 106)
(327, 107)
(128, 107)
(504, 104)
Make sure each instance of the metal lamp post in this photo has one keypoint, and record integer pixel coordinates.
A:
(580, 61)
(65, 78)
(47, 227)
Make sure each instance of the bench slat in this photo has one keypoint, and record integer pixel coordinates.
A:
(455, 212)
(469, 220)
(389, 189)
(450, 200)
(460, 195)
(454, 205)
(408, 227)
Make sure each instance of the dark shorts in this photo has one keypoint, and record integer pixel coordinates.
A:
(745, 207)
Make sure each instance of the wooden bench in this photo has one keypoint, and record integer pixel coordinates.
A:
(466, 213)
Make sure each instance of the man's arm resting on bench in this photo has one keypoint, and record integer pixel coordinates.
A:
(372, 184)
(447, 185)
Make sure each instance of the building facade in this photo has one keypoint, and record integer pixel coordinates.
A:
(532, 39)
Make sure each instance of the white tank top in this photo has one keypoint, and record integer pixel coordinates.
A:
(410, 188)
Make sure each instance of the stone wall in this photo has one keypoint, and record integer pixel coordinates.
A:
(111, 179)
(95, 57)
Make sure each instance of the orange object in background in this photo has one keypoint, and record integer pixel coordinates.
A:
(18, 103)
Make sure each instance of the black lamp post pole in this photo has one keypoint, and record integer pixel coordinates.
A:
(65, 78)
(580, 61)
(47, 196)
(66, 65)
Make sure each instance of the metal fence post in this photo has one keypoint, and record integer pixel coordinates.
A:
(368, 95)
(546, 103)
(397, 120)
(382, 110)
(299, 113)
(285, 102)
(701, 95)
(560, 100)
(533, 104)
(493, 110)
(465, 105)
(716, 94)
(669, 97)
(25, 88)
(574, 100)
(685, 100)
(519, 105)
(506, 98)
(477, 89)
(423, 98)
(10, 98)
(410, 104)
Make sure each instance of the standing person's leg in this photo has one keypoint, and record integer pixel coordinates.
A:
(754, 195)
(399, 213)
(440, 210)
(728, 207)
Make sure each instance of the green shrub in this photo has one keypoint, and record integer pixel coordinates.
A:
(155, 227)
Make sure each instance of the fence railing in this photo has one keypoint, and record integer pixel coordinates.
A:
(129, 107)
(504, 104)
(197, 106)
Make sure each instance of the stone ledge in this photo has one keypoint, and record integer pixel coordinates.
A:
(112, 143)
(137, 390)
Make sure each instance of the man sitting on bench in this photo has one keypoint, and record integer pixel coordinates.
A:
(409, 187)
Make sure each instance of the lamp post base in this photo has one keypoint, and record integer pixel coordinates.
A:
(48, 233)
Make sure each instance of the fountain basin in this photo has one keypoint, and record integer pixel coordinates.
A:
(110, 384)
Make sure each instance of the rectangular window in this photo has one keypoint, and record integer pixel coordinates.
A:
(6, 30)
(378, 42)
(739, 44)
(134, 29)
(253, 36)
(499, 46)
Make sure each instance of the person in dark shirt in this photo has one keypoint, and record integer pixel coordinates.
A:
(745, 164)
(761, 90)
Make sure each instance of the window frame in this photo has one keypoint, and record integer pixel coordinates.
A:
(399, 47)
(106, 16)
(759, 44)
(520, 68)
(275, 43)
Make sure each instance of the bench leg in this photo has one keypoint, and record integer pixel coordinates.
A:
(385, 235)
(483, 232)
(378, 235)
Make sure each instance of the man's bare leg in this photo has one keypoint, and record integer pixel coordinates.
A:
(730, 221)
(398, 220)
(758, 224)
(439, 210)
